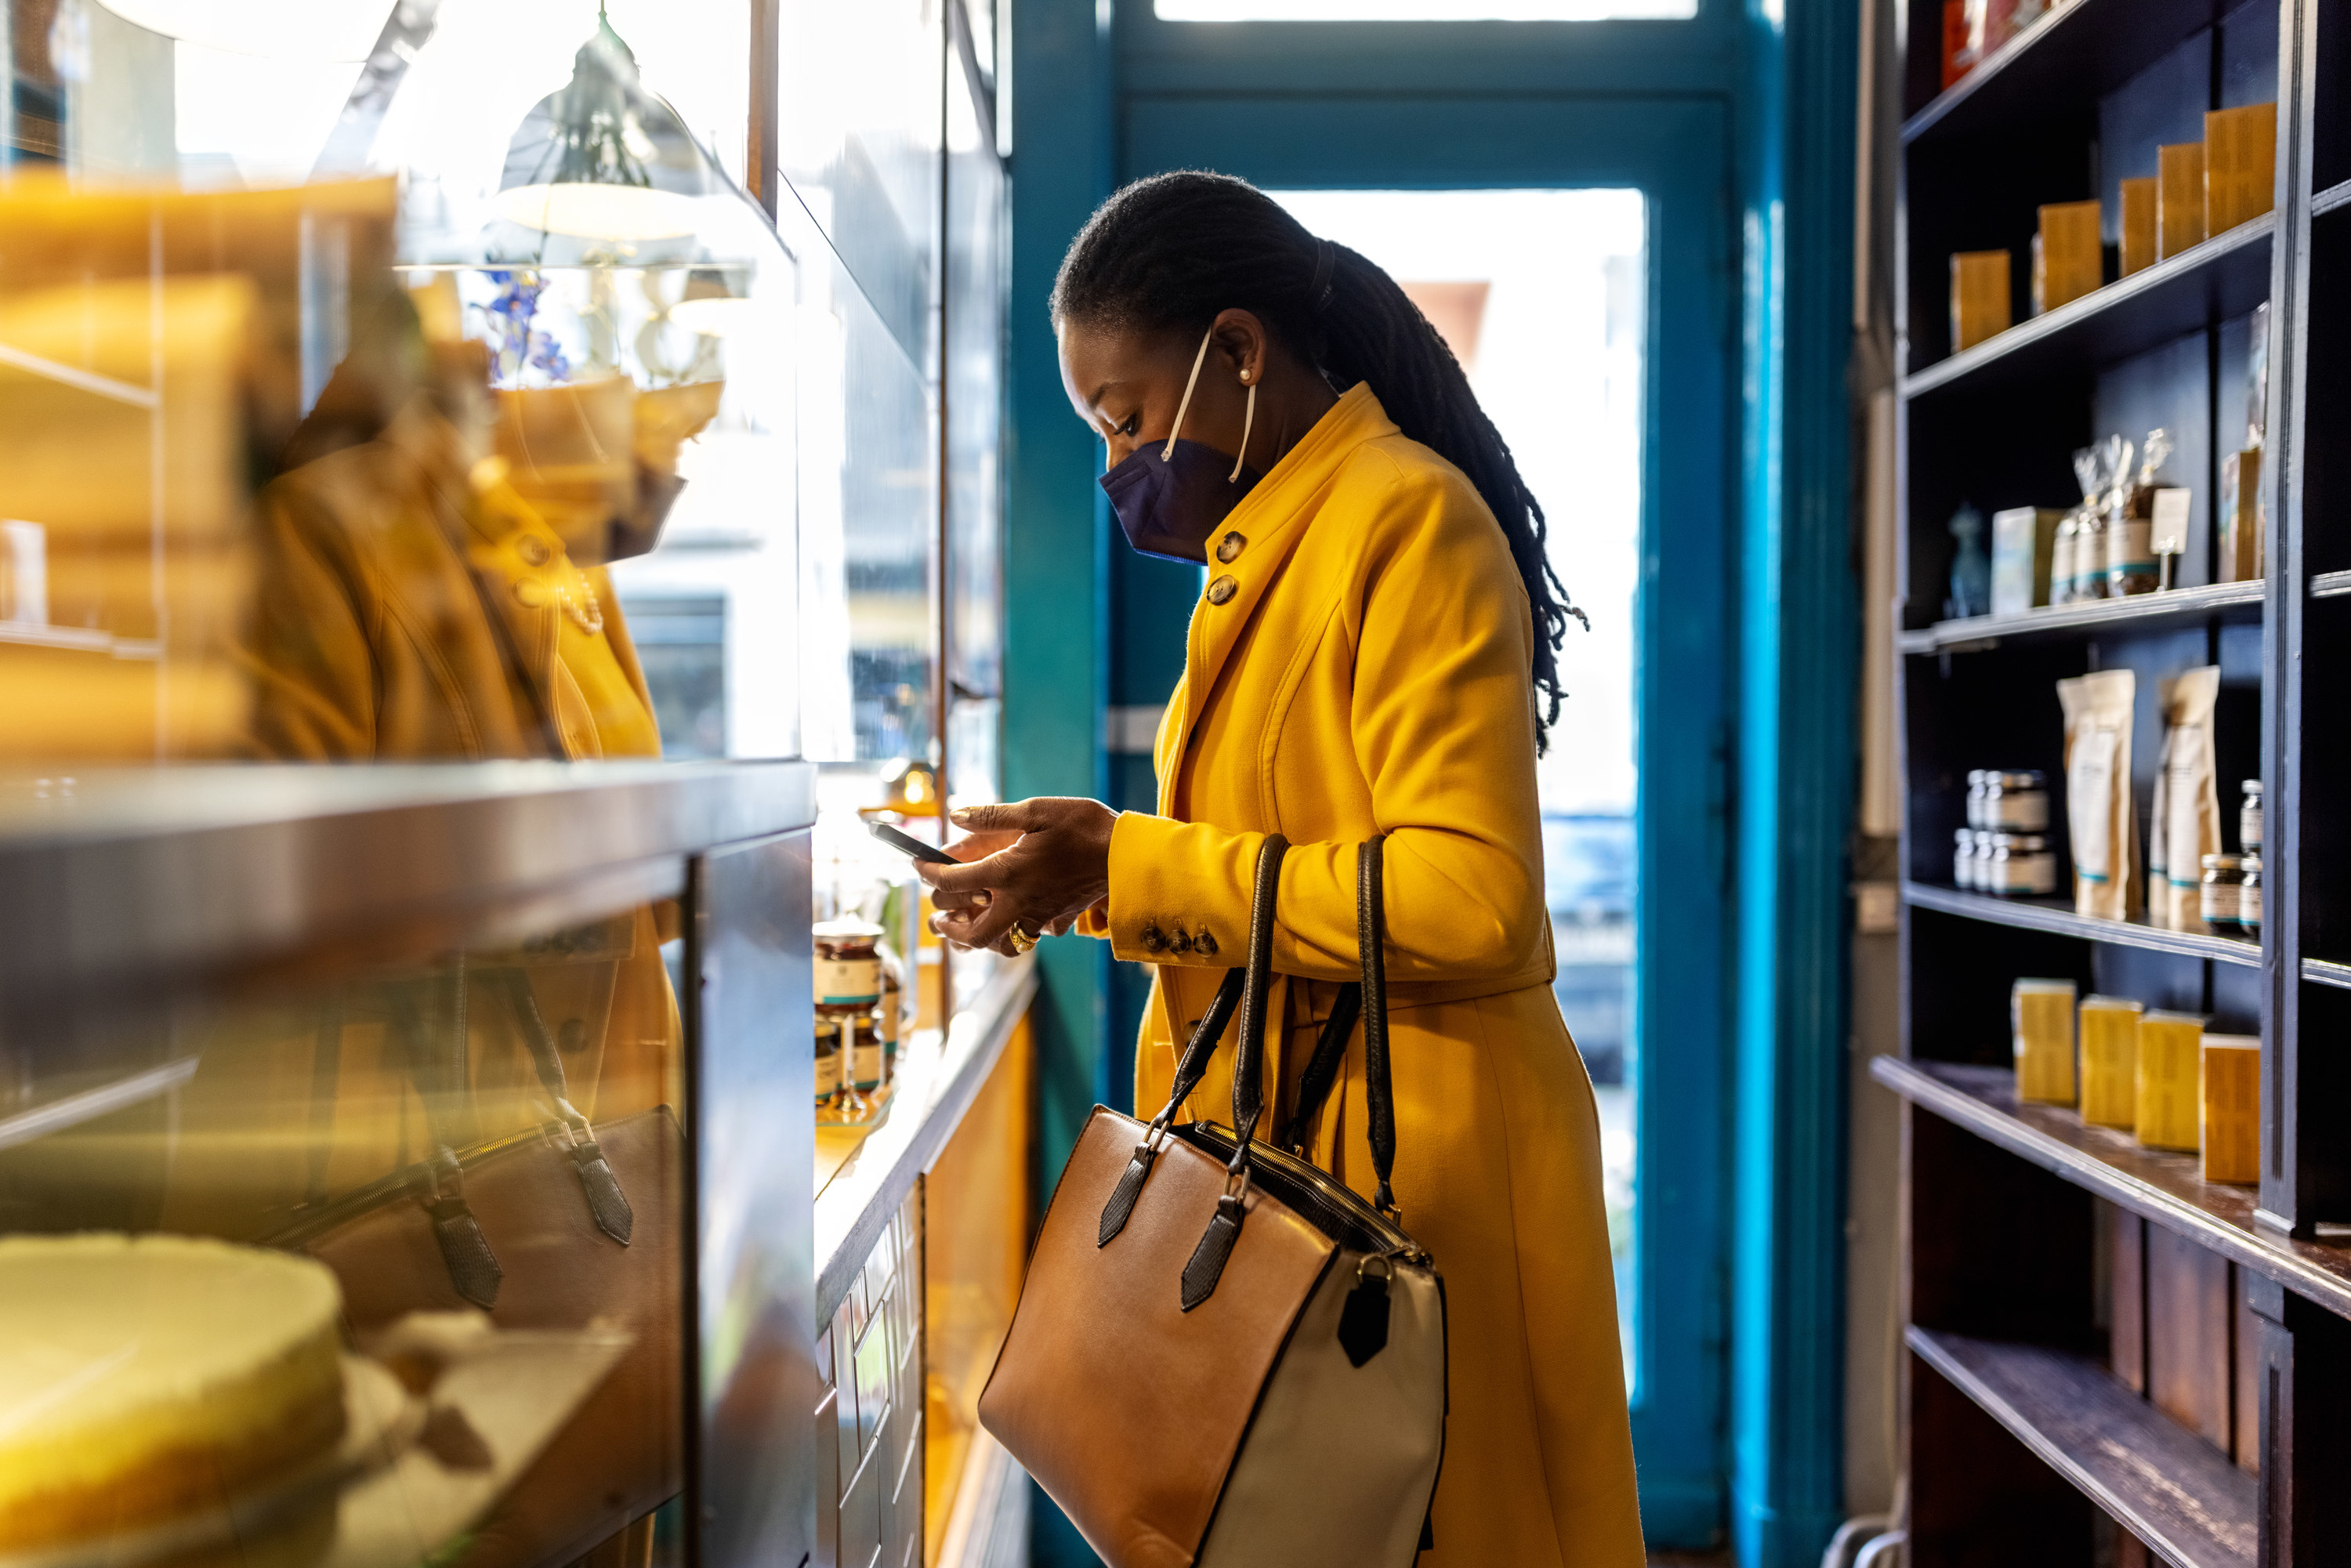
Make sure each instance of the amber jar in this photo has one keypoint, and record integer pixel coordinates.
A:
(848, 964)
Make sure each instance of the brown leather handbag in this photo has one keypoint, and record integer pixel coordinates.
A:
(1224, 1355)
(559, 1227)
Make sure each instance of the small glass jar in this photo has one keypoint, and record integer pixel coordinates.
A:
(2223, 899)
(868, 1068)
(848, 962)
(1978, 783)
(2249, 899)
(2020, 866)
(2249, 818)
(827, 1063)
(2016, 802)
(1963, 860)
(891, 1017)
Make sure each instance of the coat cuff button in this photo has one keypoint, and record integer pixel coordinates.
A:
(1205, 944)
(1155, 940)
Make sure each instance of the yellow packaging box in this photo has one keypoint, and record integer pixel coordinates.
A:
(2169, 1065)
(2179, 198)
(2069, 257)
(2041, 1016)
(2137, 225)
(2110, 1062)
(1980, 307)
(2240, 164)
(2240, 519)
(2231, 1101)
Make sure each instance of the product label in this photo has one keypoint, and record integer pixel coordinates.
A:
(2249, 828)
(2130, 549)
(2223, 904)
(848, 982)
(2249, 905)
(865, 1061)
(2023, 812)
(827, 1075)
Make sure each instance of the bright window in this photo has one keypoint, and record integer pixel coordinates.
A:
(1424, 10)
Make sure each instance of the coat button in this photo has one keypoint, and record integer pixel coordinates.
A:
(1155, 940)
(530, 593)
(533, 549)
(1181, 942)
(1205, 944)
(1228, 548)
(1223, 588)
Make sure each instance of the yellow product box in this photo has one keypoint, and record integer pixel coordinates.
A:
(2041, 1014)
(2169, 1065)
(1981, 305)
(2137, 225)
(2240, 164)
(2179, 198)
(2232, 1103)
(2110, 1062)
(2069, 256)
(2240, 519)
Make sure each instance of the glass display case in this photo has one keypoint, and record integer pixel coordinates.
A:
(414, 383)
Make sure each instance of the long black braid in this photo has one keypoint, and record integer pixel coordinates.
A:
(1168, 253)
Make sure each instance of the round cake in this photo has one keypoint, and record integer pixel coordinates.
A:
(144, 1377)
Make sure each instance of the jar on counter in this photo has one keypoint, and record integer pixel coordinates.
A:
(848, 962)
(2016, 802)
(2248, 898)
(1979, 784)
(2249, 818)
(2020, 866)
(827, 1063)
(2224, 903)
(891, 1014)
(867, 1069)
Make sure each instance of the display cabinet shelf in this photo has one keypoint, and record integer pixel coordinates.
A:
(2227, 276)
(1980, 632)
(2327, 200)
(2176, 1492)
(2322, 972)
(2158, 1184)
(2330, 584)
(2057, 915)
(2092, 46)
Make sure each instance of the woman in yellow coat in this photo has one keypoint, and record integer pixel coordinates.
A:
(1372, 653)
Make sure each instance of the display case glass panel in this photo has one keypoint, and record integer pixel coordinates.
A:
(410, 1228)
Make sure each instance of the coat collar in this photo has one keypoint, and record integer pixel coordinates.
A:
(1271, 519)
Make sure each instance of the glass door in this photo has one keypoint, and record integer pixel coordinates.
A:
(1539, 294)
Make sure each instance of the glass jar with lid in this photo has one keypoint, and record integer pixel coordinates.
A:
(2016, 802)
(2249, 818)
(1963, 858)
(828, 1063)
(2249, 899)
(848, 964)
(2020, 866)
(1978, 782)
(2222, 902)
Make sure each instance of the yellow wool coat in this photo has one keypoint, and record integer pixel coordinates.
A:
(1360, 664)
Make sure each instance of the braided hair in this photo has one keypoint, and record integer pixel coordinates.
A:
(1168, 253)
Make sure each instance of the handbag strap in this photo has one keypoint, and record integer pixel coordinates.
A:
(1369, 998)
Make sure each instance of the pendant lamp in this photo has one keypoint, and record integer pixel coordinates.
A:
(603, 160)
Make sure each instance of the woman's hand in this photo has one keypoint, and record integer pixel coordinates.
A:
(1031, 867)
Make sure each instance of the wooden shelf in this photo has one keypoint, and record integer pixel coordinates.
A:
(2226, 276)
(2070, 58)
(2158, 1184)
(2057, 914)
(2319, 971)
(2160, 1481)
(1977, 633)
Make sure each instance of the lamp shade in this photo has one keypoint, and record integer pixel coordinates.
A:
(603, 160)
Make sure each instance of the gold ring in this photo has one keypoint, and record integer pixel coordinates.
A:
(1021, 941)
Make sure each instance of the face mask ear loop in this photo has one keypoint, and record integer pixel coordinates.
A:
(1198, 360)
(1248, 417)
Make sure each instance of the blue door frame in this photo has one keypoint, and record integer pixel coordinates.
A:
(1736, 127)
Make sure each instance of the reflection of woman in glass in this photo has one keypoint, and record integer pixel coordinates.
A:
(1373, 654)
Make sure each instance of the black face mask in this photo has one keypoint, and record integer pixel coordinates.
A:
(1170, 500)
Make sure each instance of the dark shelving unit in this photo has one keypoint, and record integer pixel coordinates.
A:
(2107, 1359)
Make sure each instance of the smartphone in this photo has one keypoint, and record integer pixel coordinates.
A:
(906, 843)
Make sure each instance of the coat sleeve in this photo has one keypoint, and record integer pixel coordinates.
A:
(1442, 730)
(308, 650)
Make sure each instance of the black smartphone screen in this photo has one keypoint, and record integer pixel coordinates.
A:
(906, 843)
